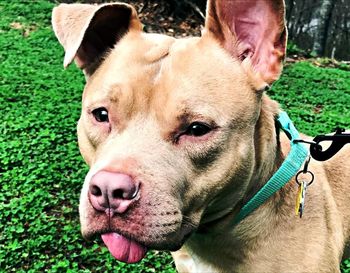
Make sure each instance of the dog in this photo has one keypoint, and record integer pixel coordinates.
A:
(179, 134)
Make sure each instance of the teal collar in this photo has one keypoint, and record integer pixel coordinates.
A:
(288, 169)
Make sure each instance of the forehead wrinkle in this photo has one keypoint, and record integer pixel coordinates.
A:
(114, 91)
(135, 94)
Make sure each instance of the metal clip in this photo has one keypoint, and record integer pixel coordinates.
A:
(339, 139)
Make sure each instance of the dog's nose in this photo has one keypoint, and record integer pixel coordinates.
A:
(112, 192)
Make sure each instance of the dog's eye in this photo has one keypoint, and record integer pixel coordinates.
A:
(197, 129)
(101, 114)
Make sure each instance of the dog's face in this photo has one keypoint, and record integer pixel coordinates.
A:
(170, 130)
(167, 125)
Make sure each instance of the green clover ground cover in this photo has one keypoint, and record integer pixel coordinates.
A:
(41, 171)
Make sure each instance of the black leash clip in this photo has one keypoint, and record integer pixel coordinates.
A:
(339, 139)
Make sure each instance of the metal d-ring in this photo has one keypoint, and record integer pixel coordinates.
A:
(307, 172)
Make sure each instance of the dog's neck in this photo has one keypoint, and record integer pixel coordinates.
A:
(269, 155)
(271, 147)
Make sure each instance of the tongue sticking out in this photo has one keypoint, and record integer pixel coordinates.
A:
(123, 249)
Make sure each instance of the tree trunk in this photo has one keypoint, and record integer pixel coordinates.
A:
(297, 20)
(289, 12)
(323, 19)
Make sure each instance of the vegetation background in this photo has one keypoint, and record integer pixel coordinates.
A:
(41, 171)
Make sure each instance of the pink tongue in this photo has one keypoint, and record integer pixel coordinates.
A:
(123, 249)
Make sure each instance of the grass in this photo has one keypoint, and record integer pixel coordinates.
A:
(41, 171)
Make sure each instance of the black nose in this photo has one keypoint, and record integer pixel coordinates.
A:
(112, 192)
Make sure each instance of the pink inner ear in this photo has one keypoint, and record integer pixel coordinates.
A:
(258, 28)
(253, 22)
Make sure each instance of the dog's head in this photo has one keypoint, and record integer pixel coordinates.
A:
(168, 126)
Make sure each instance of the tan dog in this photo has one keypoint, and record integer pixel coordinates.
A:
(179, 135)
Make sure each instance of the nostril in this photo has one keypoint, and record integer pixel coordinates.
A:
(118, 193)
(96, 191)
(125, 194)
(112, 191)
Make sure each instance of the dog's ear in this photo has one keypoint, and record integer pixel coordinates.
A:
(87, 32)
(251, 30)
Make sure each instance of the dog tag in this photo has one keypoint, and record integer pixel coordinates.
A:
(300, 204)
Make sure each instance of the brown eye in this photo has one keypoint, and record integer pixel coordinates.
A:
(100, 114)
(197, 129)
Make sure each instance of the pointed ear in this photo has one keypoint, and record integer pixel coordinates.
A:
(252, 31)
(87, 32)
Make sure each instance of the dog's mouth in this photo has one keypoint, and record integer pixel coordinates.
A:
(124, 249)
(129, 250)
(147, 224)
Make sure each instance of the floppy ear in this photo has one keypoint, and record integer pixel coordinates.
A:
(87, 32)
(252, 31)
